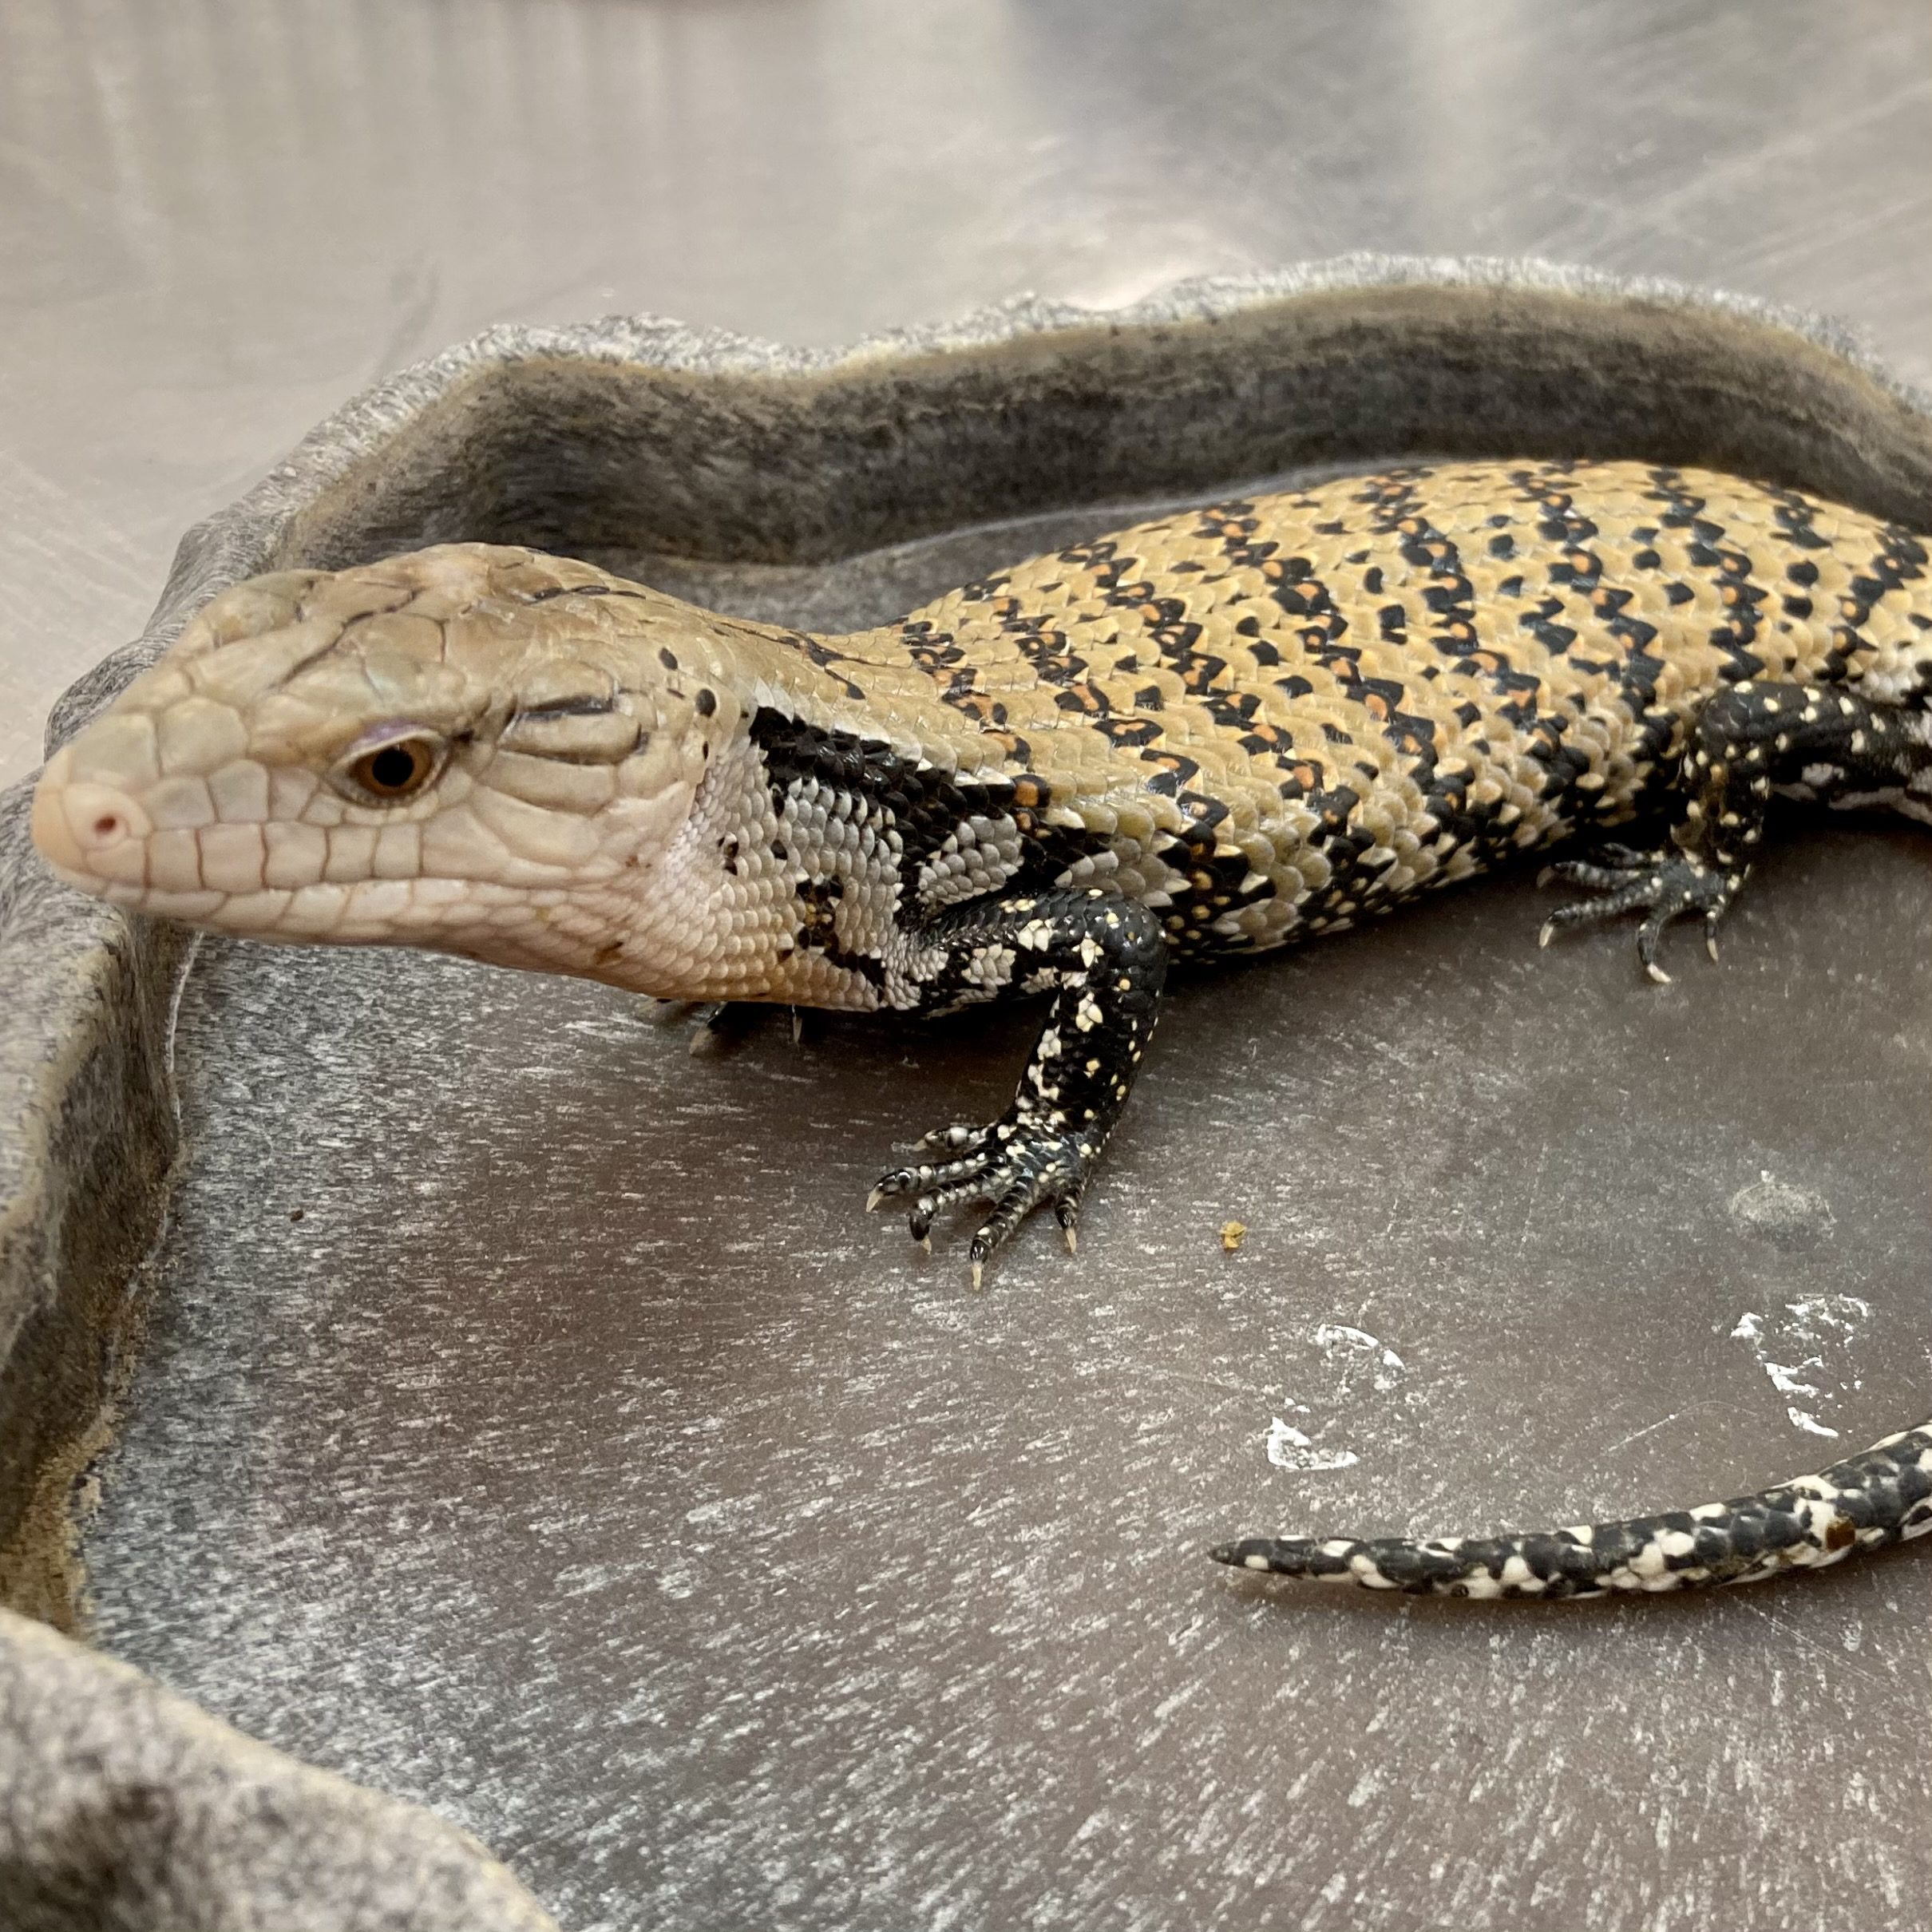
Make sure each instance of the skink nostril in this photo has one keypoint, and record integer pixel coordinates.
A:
(87, 827)
(101, 815)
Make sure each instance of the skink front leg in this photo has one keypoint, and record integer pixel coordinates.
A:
(1104, 959)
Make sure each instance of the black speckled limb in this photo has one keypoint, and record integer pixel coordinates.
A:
(1104, 959)
(1883, 1495)
(1813, 742)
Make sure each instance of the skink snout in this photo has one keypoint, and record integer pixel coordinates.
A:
(84, 827)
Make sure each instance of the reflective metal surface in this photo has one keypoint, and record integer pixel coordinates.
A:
(581, 1462)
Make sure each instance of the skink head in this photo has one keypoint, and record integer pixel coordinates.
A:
(469, 747)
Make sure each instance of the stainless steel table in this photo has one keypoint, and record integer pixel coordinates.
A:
(953, 1663)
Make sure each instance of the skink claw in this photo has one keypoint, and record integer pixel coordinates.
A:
(1664, 884)
(1018, 1163)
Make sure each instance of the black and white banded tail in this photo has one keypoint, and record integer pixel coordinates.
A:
(1883, 1495)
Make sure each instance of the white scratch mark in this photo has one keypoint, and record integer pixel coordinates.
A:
(1337, 1340)
(1529, 1209)
(1824, 1323)
(1802, 1419)
(1288, 1448)
(1649, 1428)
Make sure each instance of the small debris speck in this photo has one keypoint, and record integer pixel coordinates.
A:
(1233, 1234)
(295, 1213)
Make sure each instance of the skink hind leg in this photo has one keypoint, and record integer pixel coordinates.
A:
(1750, 740)
(1104, 959)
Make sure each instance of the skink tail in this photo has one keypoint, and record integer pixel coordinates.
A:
(1882, 1496)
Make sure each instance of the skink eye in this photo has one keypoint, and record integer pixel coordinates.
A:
(398, 769)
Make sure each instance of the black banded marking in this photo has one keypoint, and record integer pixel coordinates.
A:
(818, 901)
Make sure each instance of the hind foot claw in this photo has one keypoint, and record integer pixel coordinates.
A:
(1669, 884)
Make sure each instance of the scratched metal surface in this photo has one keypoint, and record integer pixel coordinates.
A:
(582, 1462)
